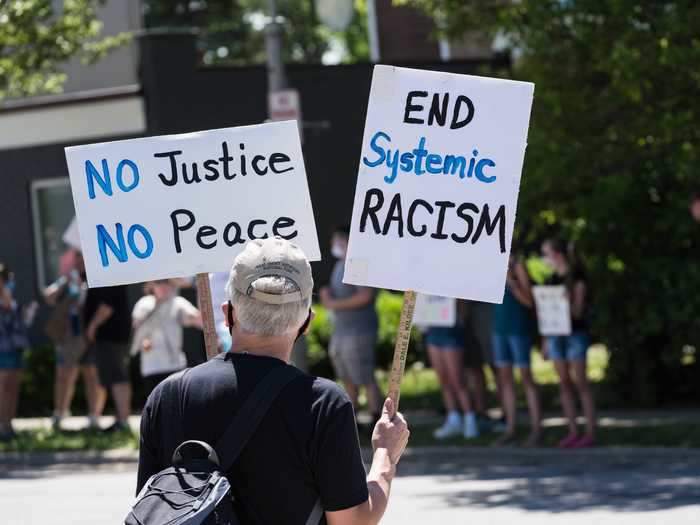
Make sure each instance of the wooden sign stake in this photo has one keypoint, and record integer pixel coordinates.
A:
(206, 308)
(403, 337)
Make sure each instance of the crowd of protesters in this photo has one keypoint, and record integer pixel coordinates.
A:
(95, 334)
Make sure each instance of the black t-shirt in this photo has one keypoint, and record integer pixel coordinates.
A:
(117, 328)
(305, 447)
(576, 275)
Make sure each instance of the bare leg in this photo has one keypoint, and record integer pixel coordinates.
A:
(578, 369)
(505, 374)
(352, 390)
(533, 405)
(5, 388)
(64, 387)
(567, 395)
(436, 358)
(95, 394)
(478, 381)
(374, 398)
(453, 360)
(122, 401)
(12, 382)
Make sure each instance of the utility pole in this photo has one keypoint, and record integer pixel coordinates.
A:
(276, 79)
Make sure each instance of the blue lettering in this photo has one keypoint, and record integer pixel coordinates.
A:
(454, 163)
(393, 164)
(134, 173)
(407, 162)
(103, 180)
(377, 149)
(480, 175)
(420, 152)
(433, 159)
(104, 240)
(146, 237)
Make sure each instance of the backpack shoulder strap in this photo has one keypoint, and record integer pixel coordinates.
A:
(251, 413)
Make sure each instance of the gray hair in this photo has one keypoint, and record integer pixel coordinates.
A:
(262, 318)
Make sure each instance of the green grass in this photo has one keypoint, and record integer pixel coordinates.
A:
(45, 440)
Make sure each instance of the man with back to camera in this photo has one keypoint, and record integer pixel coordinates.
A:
(306, 447)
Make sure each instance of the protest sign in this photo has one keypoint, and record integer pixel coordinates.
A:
(179, 205)
(433, 310)
(553, 312)
(71, 236)
(438, 183)
(437, 188)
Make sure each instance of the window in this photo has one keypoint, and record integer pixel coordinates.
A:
(52, 212)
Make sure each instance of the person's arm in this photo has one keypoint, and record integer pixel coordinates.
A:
(389, 441)
(52, 291)
(189, 315)
(102, 315)
(521, 288)
(578, 300)
(362, 297)
(6, 300)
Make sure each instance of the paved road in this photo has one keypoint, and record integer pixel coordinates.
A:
(489, 487)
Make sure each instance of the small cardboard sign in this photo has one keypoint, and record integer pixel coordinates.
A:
(553, 311)
(438, 183)
(433, 310)
(178, 205)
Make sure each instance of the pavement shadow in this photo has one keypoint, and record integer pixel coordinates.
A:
(557, 485)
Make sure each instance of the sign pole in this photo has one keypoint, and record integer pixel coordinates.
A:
(207, 311)
(403, 337)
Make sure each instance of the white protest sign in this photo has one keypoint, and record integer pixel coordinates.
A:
(438, 183)
(433, 310)
(178, 205)
(553, 312)
(71, 236)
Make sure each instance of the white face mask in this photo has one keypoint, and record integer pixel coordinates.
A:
(337, 251)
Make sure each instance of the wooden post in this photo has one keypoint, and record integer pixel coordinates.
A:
(205, 307)
(403, 336)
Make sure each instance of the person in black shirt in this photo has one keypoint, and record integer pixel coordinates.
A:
(107, 327)
(569, 352)
(306, 447)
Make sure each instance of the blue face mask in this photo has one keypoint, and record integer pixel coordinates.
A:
(10, 285)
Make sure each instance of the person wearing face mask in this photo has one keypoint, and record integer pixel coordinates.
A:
(158, 319)
(13, 342)
(569, 352)
(355, 325)
(65, 329)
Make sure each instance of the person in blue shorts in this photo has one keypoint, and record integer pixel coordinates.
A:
(13, 342)
(446, 352)
(512, 345)
(569, 352)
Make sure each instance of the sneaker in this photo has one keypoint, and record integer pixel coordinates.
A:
(451, 428)
(568, 441)
(485, 423)
(471, 427)
(585, 441)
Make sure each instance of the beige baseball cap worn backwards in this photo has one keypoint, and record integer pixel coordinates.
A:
(272, 257)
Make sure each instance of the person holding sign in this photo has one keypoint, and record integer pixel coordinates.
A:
(355, 328)
(512, 345)
(569, 352)
(305, 452)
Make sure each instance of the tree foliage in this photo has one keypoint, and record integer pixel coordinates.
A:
(231, 30)
(36, 39)
(612, 158)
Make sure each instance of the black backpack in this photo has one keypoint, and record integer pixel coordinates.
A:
(195, 491)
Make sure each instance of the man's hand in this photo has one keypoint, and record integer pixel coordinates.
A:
(391, 432)
(324, 295)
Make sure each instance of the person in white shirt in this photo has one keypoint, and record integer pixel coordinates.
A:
(158, 319)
